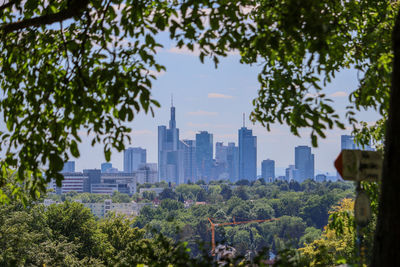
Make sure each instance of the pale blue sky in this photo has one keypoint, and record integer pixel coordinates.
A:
(213, 100)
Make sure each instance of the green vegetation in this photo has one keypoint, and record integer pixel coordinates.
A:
(302, 210)
(68, 235)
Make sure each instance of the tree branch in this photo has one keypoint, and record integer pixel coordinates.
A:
(9, 4)
(74, 8)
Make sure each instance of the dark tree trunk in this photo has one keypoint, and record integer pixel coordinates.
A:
(387, 237)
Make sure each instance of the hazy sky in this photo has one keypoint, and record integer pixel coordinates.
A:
(213, 100)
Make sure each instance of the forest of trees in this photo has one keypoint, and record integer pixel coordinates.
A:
(302, 210)
(67, 234)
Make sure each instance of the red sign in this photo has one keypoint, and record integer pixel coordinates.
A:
(339, 164)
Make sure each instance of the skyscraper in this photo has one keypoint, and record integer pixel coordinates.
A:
(133, 157)
(268, 170)
(229, 156)
(204, 155)
(247, 154)
(304, 162)
(170, 156)
(189, 160)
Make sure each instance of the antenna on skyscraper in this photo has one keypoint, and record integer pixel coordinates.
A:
(243, 121)
(172, 100)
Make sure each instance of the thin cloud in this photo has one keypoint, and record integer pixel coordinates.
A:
(216, 95)
(339, 94)
(202, 113)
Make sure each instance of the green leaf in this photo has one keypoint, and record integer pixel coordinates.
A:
(74, 149)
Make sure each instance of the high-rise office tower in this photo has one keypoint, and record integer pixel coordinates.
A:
(170, 156)
(304, 162)
(204, 155)
(133, 157)
(347, 142)
(229, 157)
(69, 166)
(189, 160)
(268, 170)
(221, 152)
(247, 154)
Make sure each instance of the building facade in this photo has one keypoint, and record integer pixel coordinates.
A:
(247, 154)
(133, 157)
(292, 174)
(106, 166)
(147, 173)
(69, 166)
(204, 155)
(304, 162)
(189, 160)
(229, 157)
(268, 170)
(170, 156)
(95, 182)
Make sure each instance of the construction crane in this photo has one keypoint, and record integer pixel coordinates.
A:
(213, 225)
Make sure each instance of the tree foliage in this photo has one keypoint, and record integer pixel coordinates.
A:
(302, 215)
(337, 242)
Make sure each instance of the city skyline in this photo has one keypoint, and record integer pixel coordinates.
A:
(214, 100)
(180, 161)
(279, 168)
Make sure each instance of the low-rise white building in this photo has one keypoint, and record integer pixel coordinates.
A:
(131, 209)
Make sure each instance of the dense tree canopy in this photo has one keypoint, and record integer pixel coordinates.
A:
(302, 215)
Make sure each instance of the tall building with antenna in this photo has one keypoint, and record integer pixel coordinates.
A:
(247, 153)
(170, 156)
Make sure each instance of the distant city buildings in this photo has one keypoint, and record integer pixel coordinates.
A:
(106, 166)
(189, 160)
(184, 161)
(147, 173)
(69, 166)
(304, 162)
(247, 154)
(292, 174)
(170, 154)
(268, 170)
(133, 158)
(96, 182)
(228, 157)
(204, 155)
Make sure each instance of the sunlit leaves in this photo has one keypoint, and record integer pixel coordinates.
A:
(62, 80)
